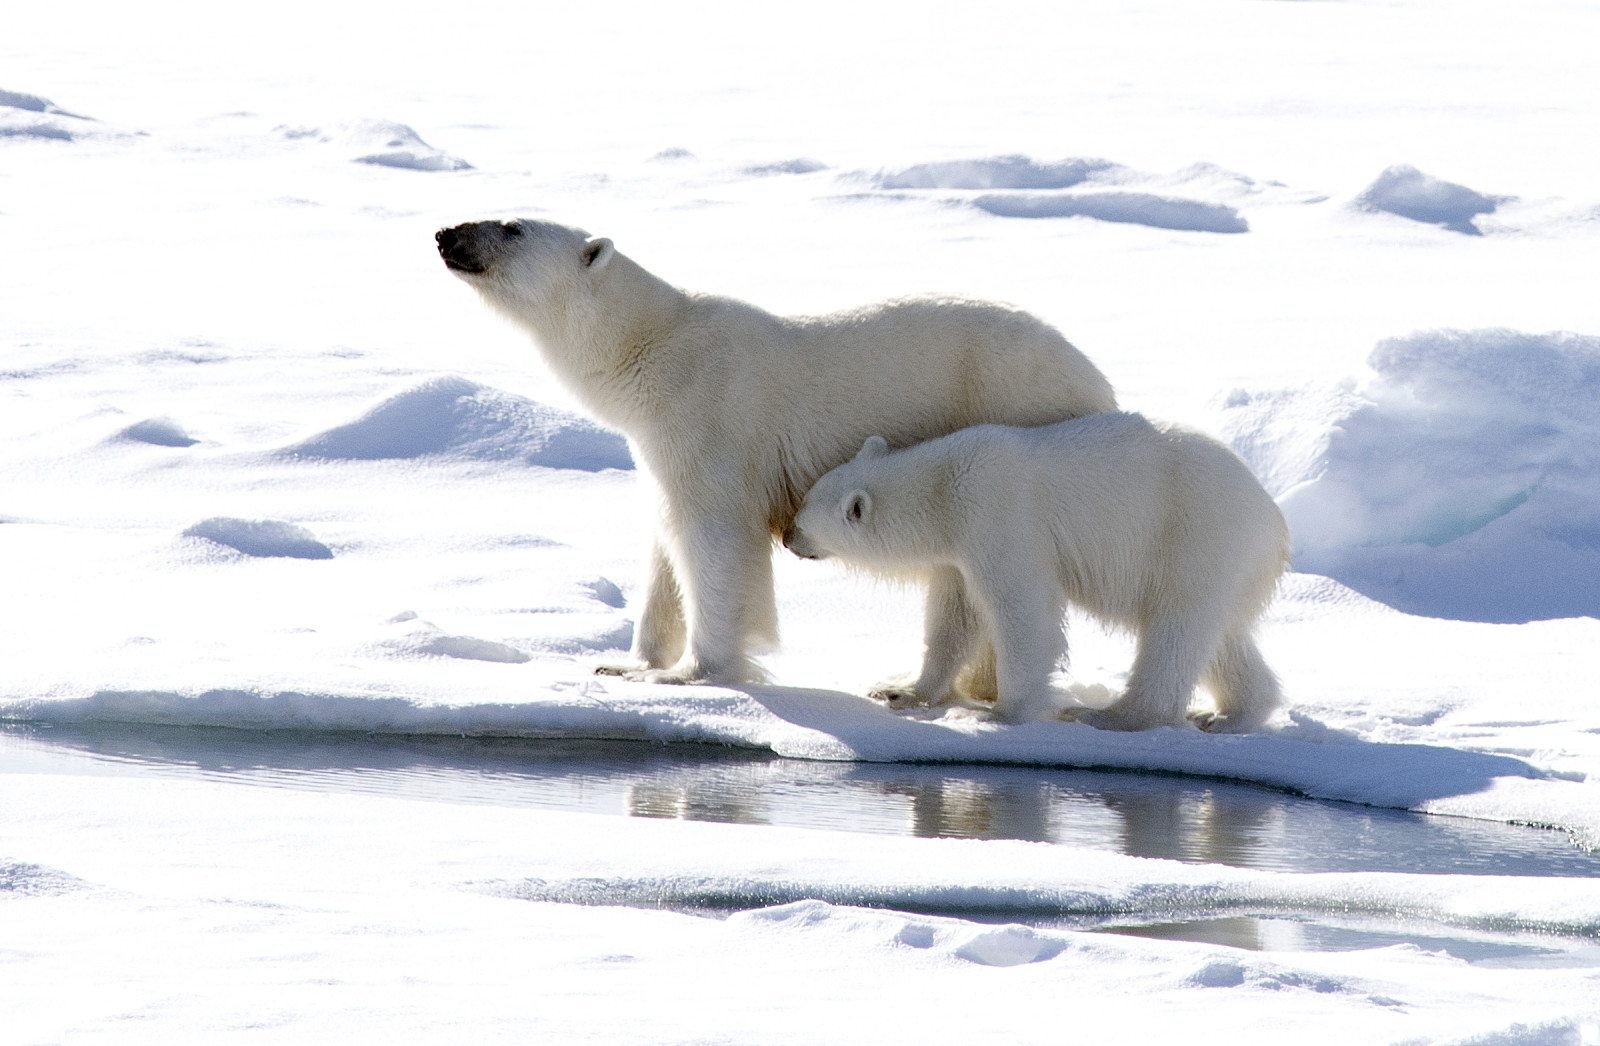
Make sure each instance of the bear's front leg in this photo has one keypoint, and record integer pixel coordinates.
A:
(1024, 607)
(951, 634)
(724, 575)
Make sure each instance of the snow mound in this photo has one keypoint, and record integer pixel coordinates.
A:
(21, 879)
(265, 538)
(383, 143)
(606, 591)
(1461, 480)
(1409, 193)
(453, 417)
(470, 648)
(1195, 199)
(160, 432)
(1160, 212)
(30, 116)
(995, 172)
(801, 165)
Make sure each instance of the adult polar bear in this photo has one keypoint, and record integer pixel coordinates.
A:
(735, 412)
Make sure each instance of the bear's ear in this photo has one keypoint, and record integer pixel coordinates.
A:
(597, 253)
(855, 507)
(874, 447)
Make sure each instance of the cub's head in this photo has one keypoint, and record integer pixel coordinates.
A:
(871, 512)
(526, 267)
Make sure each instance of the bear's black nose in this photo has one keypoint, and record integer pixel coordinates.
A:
(457, 250)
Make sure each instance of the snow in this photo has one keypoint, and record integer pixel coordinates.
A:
(1406, 191)
(261, 537)
(1460, 479)
(454, 416)
(228, 345)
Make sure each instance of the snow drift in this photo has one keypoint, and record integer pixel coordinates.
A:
(1407, 192)
(1461, 480)
(994, 172)
(261, 538)
(1137, 208)
(1036, 190)
(382, 143)
(457, 418)
(30, 116)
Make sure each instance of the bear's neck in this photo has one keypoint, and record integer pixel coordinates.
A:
(603, 352)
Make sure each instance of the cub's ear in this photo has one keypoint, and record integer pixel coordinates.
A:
(597, 253)
(856, 506)
(874, 447)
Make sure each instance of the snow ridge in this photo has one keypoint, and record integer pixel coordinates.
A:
(456, 418)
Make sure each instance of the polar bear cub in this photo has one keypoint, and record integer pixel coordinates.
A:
(1146, 525)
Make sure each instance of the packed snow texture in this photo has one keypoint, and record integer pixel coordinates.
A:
(1406, 191)
(454, 417)
(1461, 479)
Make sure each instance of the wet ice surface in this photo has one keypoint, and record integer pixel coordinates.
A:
(1158, 816)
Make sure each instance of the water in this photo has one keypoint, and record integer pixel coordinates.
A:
(1177, 818)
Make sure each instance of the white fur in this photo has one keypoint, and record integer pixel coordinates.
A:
(1148, 526)
(734, 412)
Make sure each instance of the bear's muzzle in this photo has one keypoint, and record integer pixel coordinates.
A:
(458, 248)
(796, 541)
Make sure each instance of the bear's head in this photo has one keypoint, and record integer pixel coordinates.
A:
(536, 271)
(872, 512)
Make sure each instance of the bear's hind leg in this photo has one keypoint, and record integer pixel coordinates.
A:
(662, 632)
(951, 632)
(1171, 654)
(1245, 690)
(977, 681)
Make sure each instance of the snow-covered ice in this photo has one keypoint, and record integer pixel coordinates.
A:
(265, 465)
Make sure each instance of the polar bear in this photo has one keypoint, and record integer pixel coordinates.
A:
(734, 412)
(1147, 526)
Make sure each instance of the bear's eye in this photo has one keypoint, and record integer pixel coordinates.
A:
(510, 229)
(855, 508)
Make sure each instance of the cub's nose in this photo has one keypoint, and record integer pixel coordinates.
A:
(796, 542)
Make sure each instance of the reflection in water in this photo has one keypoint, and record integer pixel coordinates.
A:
(1145, 815)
